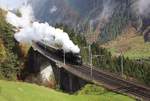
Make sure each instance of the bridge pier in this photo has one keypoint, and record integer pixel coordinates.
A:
(66, 81)
(69, 82)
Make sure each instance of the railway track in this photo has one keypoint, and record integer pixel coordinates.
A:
(117, 84)
(108, 80)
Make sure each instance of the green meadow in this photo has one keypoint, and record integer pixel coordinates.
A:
(16, 91)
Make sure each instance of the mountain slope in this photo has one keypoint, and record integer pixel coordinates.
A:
(105, 18)
(130, 44)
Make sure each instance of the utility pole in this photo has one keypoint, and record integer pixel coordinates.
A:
(64, 57)
(44, 40)
(122, 67)
(91, 56)
(91, 61)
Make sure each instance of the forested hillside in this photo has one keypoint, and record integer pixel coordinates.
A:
(9, 61)
(107, 18)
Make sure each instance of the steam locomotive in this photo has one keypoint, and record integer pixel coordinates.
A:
(70, 57)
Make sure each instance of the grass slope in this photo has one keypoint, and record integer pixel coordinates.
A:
(130, 44)
(15, 91)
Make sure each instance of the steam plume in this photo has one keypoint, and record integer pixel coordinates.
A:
(34, 31)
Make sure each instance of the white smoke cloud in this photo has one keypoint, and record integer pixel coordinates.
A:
(24, 20)
(44, 32)
(34, 31)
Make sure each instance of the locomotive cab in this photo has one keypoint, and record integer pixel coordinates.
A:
(78, 59)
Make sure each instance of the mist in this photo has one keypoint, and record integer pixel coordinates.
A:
(11, 4)
(105, 15)
(108, 9)
(141, 7)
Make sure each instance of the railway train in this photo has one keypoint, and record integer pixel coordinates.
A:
(70, 57)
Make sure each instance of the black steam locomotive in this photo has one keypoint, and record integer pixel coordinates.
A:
(70, 57)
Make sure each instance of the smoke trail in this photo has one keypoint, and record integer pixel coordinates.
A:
(34, 31)
(50, 35)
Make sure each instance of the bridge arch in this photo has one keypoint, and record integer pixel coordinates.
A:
(37, 63)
